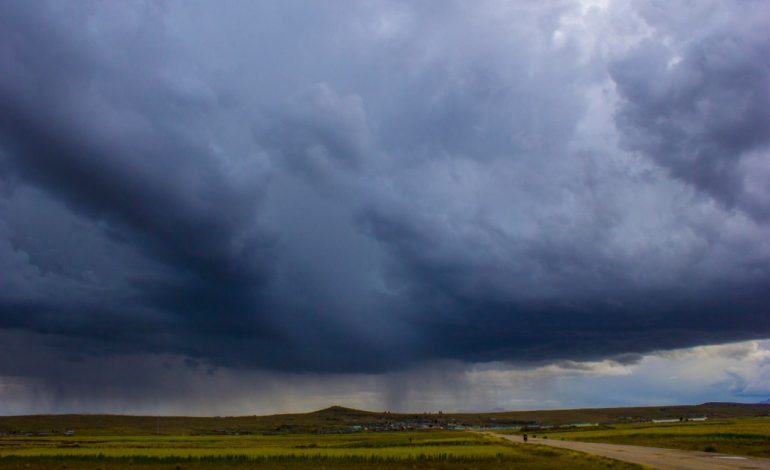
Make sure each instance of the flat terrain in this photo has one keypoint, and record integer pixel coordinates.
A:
(660, 458)
(744, 436)
(344, 438)
(426, 449)
(339, 419)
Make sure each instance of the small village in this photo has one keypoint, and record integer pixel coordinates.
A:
(418, 423)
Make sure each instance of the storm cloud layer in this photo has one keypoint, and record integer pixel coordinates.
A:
(356, 187)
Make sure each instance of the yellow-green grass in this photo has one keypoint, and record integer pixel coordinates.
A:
(746, 436)
(444, 449)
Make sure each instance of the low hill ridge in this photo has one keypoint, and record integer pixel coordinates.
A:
(342, 419)
(337, 409)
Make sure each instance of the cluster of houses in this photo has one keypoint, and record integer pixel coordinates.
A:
(230, 432)
(422, 425)
(679, 420)
(415, 423)
(428, 424)
(404, 425)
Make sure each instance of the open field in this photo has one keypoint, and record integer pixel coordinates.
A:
(339, 419)
(743, 436)
(427, 449)
(345, 438)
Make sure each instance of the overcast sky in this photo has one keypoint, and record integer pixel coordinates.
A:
(387, 204)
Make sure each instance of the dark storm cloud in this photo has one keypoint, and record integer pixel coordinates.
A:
(119, 144)
(308, 188)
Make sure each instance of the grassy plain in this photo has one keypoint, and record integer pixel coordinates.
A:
(341, 419)
(323, 439)
(419, 449)
(742, 436)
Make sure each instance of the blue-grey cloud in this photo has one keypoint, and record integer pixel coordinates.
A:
(696, 103)
(304, 187)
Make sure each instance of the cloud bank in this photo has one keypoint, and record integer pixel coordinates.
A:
(175, 385)
(310, 188)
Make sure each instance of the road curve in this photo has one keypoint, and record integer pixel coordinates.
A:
(669, 459)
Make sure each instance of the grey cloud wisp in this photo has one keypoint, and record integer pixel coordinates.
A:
(360, 187)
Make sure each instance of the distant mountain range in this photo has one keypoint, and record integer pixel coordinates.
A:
(764, 402)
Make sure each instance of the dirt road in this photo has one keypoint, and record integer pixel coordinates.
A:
(656, 457)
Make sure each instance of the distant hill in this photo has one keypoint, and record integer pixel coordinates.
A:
(340, 410)
(764, 402)
(341, 419)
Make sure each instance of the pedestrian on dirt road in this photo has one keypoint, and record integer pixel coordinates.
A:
(525, 437)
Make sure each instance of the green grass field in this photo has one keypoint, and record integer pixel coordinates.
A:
(744, 436)
(324, 439)
(429, 449)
